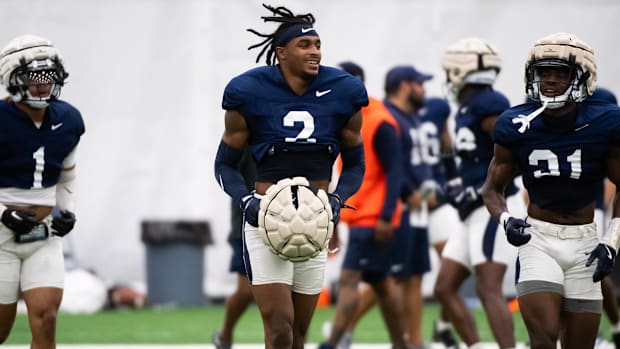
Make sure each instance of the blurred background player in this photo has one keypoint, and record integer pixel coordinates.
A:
(238, 301)
(404, 89)
(372, 224)
(604, 202)
(410, 251)
(564, 144)
(472, 66)
(39, 134)
(437, 152)
(286, 111)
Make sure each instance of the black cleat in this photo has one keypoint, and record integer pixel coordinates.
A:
(325, 345)
(444, 336)
(219, 343)
(615, 337)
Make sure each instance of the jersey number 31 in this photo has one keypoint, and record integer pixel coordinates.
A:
(540, 156)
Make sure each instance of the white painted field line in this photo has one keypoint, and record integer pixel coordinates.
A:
(240, 346)
(599, 345)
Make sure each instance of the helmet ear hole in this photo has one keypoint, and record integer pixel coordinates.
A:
(13, 89)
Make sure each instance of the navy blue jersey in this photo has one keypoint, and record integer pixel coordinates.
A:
(473, 145)
(416, 170)
(603, 95)
(32, 157)
(562, 168)
(433, 115)
(286, 128)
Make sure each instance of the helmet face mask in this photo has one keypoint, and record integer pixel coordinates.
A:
(555, 82)
(561, 51)
(28, 64)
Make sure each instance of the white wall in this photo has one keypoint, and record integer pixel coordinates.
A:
(148, 77)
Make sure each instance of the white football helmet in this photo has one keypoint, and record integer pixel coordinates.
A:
(295, 220)
(470, 61)
(29, 59)
(561, 50)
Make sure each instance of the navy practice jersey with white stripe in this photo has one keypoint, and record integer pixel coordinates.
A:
(293, 135)
(434, 115)
(562, 161)
(474, 146)
(32, 157)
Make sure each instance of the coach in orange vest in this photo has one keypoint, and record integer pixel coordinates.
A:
(371, 225)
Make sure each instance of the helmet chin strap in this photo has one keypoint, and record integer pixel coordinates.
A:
(556, 102)
(37, 104)
(32, 102)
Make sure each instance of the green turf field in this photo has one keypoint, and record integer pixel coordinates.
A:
(195, 325)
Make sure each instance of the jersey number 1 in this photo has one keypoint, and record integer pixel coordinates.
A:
(39, 166)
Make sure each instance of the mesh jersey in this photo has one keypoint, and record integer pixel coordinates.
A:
(287, 127)
(433, 115)
(31, 157)
(562, 168)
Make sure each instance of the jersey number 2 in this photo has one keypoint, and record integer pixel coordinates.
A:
(553, 164)
(304, 135)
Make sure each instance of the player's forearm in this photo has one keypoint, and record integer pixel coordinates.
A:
(387, 148)
(499, 175)
(227, 174)
(353, 167)
(65, 190)
(494, 200)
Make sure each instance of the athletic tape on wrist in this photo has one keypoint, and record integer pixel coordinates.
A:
(503, 218)
(612, 234)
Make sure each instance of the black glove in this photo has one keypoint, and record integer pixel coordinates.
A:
(250, 206)
(606, 256)
(457, 195)
(21, 222)
(63, 224)
(515, 231)
(335, 202)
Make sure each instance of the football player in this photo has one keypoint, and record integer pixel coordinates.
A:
(404, 89)
(39, 135)
(472, 66)
(437, 151)
(410, 247)
(296, 116)
(603, 202)
(372, 225)
(564, 144)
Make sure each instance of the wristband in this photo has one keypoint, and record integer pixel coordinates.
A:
(503, 218)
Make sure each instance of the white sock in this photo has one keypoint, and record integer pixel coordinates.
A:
(476, 346)
(442, 325)
(615, 328)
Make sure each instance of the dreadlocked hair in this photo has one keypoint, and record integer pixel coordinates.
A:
(287, 19)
